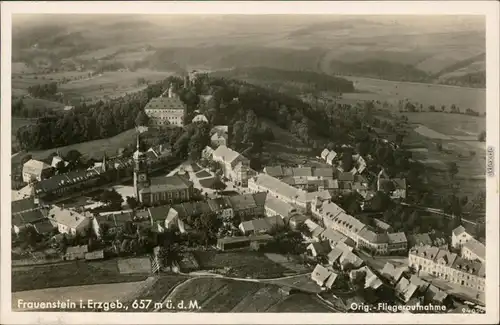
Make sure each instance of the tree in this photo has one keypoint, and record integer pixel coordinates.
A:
(61, 167)
(452, 169)
(208, 224)
(482, 136)
(132, 202)
(73, 157)
(142, 119)
(218, 185)
(111, 198)
(25, 159)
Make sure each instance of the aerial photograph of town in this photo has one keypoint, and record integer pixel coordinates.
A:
(248, 163)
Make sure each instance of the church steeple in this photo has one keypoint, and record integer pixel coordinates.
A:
(104, 167)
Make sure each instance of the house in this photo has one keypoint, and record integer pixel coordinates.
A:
(163, 111)
(222, 206)
(371, 280)
(207, 152)
(95, 255)
(405, 290)
(468, 274)
(421, 258)
(275, 171)
(397, 242)
(324, 153)
(321, 248)
(56, 160)
(419, 240)
(350, 260)
(474, 250)
(61, 184)
(43, 227)
(459, 237)
(114, 221)
(392, 273)
(382, 225)
(323, 277)
(332, 236)
(376, 243)
(422, 285)
(219, 139)
(434, 295)
(323, 173)
(69, 221)
(330, 157)
(279, 189)
(200, 118)
(346, 177)
(295, 219)
(262, 225)
(76, 252)
(165, 189)
(239, 242)
(35, 170)
(235, 167)
(338, 250)
(246, 206)
(274, 206)
(347, 225)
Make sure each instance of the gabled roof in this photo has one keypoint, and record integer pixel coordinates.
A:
(396, 237)
(324, 153)
(35, 166)
(274, 171)
(446, 257)
(427, 252)
(200, 118)
(381, 225)
(351, 258)
(399, 183)
(280, 207)
(405, 289)
(459, 230)
(317, 232)
(77, 249)
(243, 202)
(321, 248)
(168, 183)
(476, 247)
(391, 272)
(275, 185)
(219, 204)
(262, 224)
(23, 205)
(371, 280)
(302, 172)
(334, 255)
(171, 103)
(32, 216)
(69, 218)
(331, 156)
(468, 266)
(349, 222)
(434, 294)
(329, 209)
(159, 213)
(373, 237)
(419, 239)
(320, 274)
(61, 180)
(225, 154)
(420, 283)
(332, 235)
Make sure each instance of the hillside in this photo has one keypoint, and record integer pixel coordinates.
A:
(308, 79)
(391, 49)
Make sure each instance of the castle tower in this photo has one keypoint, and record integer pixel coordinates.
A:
(141, 179)
(171, 93)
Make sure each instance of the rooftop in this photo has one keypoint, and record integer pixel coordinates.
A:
(262, 224)
(61, 180)
(280, 207)
(468, 266)
(476, 247)
(396, 237)
(69, 218)
(459, 230)
(168, 183)
(23, 205)
(225, 154)
(165, 103)
(275, 185)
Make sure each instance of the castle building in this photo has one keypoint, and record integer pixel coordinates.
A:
(169, 189)
(163, 111)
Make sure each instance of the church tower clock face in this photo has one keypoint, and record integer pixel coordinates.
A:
(142, 177)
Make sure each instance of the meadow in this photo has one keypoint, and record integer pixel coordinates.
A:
(90, 149)
(425, 94)
(224, 295)
(110, 84)
(449, 124)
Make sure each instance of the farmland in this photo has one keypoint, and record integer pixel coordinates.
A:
(69, 274)
(449, 124)
(426, 94)
(223, 295)
(240, 264)
(109, 84)
(89, 149)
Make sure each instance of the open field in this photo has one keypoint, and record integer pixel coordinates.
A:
(302, 282)
(430, 133)
(300, 303)
(224, 295)
(131, 57)
(96, 292)
(90, 149)
(240, 264)
(25, 80)
(110, 84)
(426, 94)
(449, 124)
(70, 274)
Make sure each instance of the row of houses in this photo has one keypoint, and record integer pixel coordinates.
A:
(330, 157)
(470, 248)
(449, 266)
(336, 218)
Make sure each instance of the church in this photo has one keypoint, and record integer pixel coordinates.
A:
(158, 190)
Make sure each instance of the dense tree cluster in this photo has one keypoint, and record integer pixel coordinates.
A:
(89, 122)
(47, 90)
